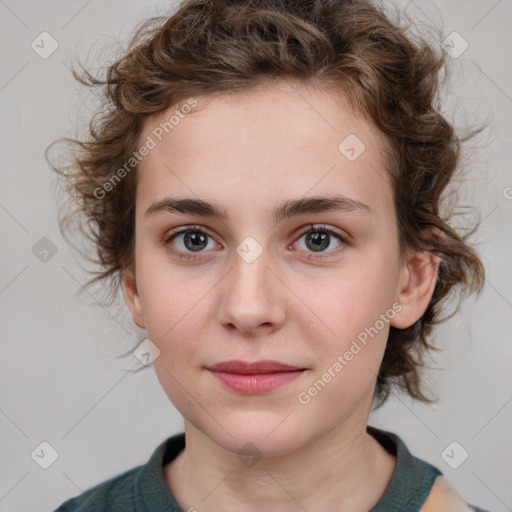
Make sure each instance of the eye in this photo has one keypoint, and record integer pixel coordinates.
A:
(319, 237)
(188, 240)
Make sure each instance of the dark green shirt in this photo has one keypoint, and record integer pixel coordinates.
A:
(143, 488)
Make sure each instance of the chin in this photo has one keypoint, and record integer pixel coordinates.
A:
(258, 438)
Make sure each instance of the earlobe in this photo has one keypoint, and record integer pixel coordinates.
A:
(131, 297)
(417, 284)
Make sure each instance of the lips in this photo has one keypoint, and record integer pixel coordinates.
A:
(247, 368)
(254, 378)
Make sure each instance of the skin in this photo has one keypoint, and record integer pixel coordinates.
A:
(248, 153)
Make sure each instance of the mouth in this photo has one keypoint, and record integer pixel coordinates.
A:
(255, 378)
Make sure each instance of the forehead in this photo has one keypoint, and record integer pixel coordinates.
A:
(262, 145)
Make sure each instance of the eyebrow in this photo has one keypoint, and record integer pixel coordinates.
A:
(287, 209)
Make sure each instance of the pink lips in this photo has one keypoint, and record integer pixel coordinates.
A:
(254, 378)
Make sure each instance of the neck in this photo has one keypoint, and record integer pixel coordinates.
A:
(344, 469)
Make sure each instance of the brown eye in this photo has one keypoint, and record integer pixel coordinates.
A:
(188, 241)
(195, 240)
(318, 241)
(320, 238)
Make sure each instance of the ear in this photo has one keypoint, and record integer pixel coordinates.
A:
(131, 297)
(417, 283)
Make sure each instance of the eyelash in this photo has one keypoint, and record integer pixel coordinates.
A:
(313, 228)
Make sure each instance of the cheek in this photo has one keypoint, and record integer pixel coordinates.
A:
(348, 361)
(172, 300)
(347, 303)
(175, 318)
(348, 334)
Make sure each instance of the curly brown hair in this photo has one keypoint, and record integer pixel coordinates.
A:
(207, 47)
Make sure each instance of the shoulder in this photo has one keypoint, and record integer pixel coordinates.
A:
(444, 498)
(113, 495)
(133, 489)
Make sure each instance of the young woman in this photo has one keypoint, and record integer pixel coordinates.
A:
(265, 185)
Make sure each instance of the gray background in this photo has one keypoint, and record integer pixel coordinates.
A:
(59, 379)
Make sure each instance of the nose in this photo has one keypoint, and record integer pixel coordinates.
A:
(253, 298)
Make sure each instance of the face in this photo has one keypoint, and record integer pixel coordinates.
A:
(314, 288)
